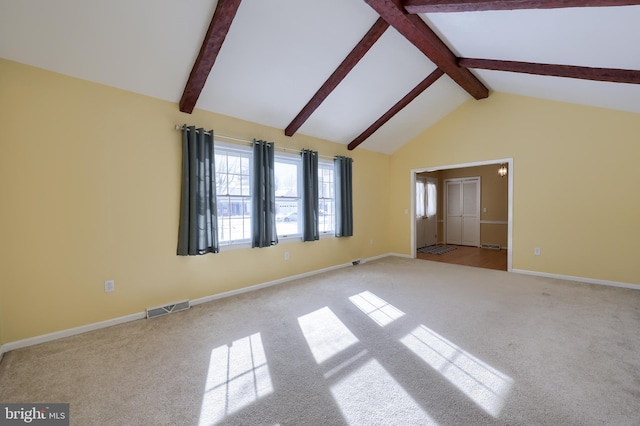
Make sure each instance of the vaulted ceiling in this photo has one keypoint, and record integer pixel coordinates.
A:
(369, 73)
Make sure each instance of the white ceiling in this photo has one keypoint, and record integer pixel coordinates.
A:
(279, 52)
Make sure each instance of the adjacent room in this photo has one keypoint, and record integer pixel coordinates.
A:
(461, 216)
(341, 212)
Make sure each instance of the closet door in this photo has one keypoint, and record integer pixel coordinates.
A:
(454, 212)
(471, 213)
(463, 212)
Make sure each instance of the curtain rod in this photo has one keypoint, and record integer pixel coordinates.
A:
(217, 135)
(220, 136)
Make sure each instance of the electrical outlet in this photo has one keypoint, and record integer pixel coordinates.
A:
(371, 242)
(286, 255)
(536, 251)
(109, 286)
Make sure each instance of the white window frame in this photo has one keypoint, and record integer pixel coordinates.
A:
(220, 147)
(247, 152)
(328, 164)
(297, 161)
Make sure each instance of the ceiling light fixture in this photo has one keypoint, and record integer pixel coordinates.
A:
(502, 171)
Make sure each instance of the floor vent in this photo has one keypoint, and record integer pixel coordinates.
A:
(491, 246)
(167, 309)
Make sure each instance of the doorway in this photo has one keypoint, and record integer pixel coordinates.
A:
(495, 213)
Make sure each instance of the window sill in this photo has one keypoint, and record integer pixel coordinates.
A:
(281, 240)
(234, 246)
(289, 238)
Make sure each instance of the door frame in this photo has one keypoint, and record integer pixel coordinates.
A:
(497, 162)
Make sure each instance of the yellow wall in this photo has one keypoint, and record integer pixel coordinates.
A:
(575, 173)
(1, 316)
(89, 182)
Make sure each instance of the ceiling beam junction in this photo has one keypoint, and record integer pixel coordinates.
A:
(437, 6)
(421, 87)
(414, 29)
(356, 54)
(570, 71)
(213, 40)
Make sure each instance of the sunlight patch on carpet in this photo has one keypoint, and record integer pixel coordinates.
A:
(377, 309)
(346, 364)
(326, 335)
(484, 385)
(238, 376)
(370, 395)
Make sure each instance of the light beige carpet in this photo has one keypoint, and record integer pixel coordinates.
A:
(396, 341)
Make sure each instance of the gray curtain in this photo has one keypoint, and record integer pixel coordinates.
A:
(310, 208)
(263, 196)
(344, 204)
(198, 228)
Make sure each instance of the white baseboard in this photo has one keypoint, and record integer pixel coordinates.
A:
(267, 284)
(31, 341)
(579, 279)
(406, 256)
(382, 256)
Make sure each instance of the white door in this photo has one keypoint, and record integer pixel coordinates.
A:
(471, 213)
(431, 226)
(454, 212)
(421, 211)
(463, 211)
(426, 211)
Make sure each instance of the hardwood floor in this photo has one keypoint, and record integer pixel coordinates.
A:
(471, 256)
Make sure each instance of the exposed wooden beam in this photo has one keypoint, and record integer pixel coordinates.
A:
(569, 71)
(434, 6)
(358, 52)
(414, 29)
(421, 87)
(217, 32)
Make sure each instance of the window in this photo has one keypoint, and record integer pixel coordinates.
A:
(233, 186)
(432, 200)
(421, 204)
(327, 197)
(426, 198)
(288, 176)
